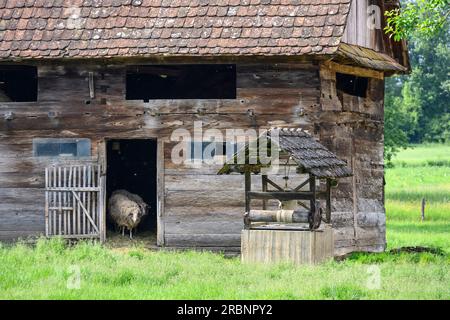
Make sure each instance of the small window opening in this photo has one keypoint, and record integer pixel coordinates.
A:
(201, 81)
(18, 84)
(210, 149)
(61, 147)
(353, 85)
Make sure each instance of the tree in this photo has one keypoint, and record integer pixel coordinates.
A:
(427, 90)
(417, 106)
(418, 17)
(399, 120)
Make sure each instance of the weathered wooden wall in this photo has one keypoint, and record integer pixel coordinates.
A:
(201, 208)
(353, 129)
(364, 14)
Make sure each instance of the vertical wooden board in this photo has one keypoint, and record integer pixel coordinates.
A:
(275, 246)
(351, 32)
(362, 32)
(83, 201)
(160, 193)
(46, 204)
(88, 199)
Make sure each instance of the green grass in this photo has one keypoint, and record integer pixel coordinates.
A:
(415, 176)
(46, 271)
(424, 154)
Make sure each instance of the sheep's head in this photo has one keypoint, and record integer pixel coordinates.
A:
(133, 216)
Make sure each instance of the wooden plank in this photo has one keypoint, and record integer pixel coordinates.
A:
(356, 71)
(204, 198)
(88, 200)
(276, 246)
(203, 213)
(58, 194)
(160, 219)
(362, 31)
(82, 199)
(10, 236)
(282, 196)
(216, 227)
(202, 240)
(19, 219)
(46, 204)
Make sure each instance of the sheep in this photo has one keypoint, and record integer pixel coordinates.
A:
(126, 210)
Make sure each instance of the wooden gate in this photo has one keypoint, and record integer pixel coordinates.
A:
(74, 201)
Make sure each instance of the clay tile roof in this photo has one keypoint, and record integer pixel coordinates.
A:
(311, 156)
(108, 28)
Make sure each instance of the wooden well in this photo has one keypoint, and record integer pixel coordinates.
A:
(284, 245)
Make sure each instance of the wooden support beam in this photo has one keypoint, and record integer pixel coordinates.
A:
(328, 200)
(248, 187)
(273, 184)
(264, 189)
(304, 183)
(303, 205)
(355, 71)
(312, 188)
(281, 196)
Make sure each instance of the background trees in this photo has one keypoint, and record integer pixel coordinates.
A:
(417, 105)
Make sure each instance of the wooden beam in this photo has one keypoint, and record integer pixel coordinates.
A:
(282, 196)
(273, 184)
(304, 183)
(353, 70)
(312, 188)
(328, 200)
(264, 189)
(248, 187)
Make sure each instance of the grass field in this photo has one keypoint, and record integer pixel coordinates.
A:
(51, 270)
(421, 172)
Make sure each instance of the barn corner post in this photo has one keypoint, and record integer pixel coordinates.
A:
(328, 201)
(160, 193)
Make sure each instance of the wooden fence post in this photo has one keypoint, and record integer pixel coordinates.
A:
(423, 209)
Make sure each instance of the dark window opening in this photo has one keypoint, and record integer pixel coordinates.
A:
(18, 84)
(210, 149)
(61, 147)
(201, 81)
(131, 166)
(353, 85)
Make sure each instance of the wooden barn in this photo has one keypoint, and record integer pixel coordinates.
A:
(92, 90)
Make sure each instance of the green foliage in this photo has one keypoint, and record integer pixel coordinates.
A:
(417, 106)
(398, 119)
(420, 17)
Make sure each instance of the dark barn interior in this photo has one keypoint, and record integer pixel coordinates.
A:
(184, 81)
(132, 167)
(18, 83)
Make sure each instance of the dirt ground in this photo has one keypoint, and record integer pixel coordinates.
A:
(144, 239)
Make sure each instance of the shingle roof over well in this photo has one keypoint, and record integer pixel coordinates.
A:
(309, 154)
(110, 28)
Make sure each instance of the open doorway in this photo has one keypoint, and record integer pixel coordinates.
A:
(131, 166)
